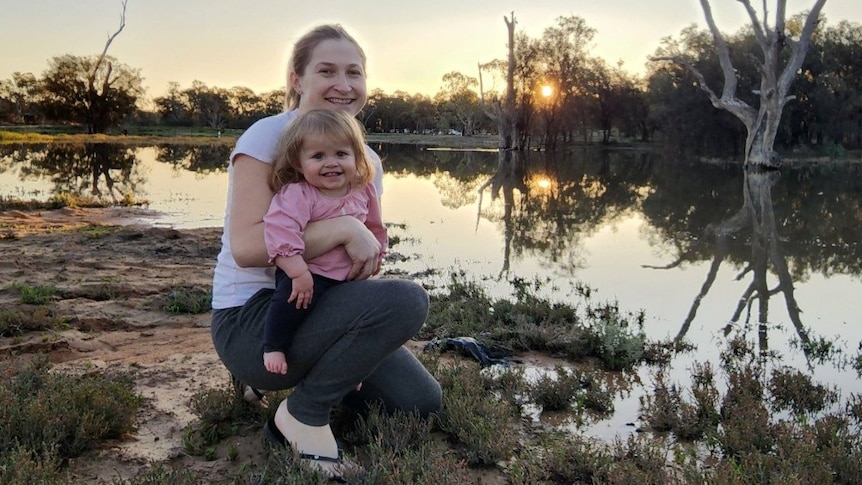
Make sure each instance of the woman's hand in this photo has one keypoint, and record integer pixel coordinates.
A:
(359, 242)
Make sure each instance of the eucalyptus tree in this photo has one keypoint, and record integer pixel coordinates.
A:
(173, 106)
(423, 111)
(458, 100)
(829, 89)
(564, 57)
(19, 98)
(273, 102)
(678, 112)
(612, 98)
(209, 106)
(97, 91)
(372, 113)
(777, 73)
(520, 93)
(246, 106)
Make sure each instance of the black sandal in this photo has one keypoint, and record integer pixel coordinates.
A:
(255, 397)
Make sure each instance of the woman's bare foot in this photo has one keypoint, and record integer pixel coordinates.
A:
(309, 440)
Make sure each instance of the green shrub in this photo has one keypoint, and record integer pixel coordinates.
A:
(21, 466)
(189, 300)
(482, 425)
(43, 411)
(34, 295)
(160, 475)
(619, 346)
(14, 323)
(557, 391)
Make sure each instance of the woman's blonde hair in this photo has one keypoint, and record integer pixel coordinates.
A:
(301, 55)
(336, 125)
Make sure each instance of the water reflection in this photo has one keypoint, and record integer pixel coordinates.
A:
(757, 216)
(509, 176)
(595, 216)
(96, 169)
(201, 159)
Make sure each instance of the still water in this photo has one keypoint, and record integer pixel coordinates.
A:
(692, 245)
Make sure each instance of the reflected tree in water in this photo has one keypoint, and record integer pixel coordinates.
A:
(756, 215)
(200, 159)
(102, 170)
(509, 176)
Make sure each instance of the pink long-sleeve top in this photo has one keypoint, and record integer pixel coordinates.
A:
(297, 204)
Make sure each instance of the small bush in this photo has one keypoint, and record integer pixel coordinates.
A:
(220, 411)
(575, 459)
(15, 323)
(34, 295)
(160, 475)
(480, 424)
(556, 391)
(619, 347)
(793, 390)
(189, 300)
(43, 412)
(21, 466)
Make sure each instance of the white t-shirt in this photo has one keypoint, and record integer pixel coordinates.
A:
(232, 284)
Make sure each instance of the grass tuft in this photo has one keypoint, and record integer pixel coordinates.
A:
(189, 300)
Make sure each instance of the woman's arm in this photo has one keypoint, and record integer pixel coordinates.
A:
(250, 198)
(249, 202)
(348, 231)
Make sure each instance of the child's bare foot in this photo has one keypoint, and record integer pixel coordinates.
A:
(275, 362)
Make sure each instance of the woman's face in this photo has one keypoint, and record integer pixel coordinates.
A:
(334, 78)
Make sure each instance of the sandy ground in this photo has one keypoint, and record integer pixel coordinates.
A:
(172, 355)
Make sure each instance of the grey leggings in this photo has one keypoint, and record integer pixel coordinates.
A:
(355, 334)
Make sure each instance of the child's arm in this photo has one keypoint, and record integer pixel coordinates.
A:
(303, 285)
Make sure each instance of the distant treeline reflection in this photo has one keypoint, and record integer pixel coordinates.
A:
(561, 200)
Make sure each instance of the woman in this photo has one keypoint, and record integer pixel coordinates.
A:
(351, 347)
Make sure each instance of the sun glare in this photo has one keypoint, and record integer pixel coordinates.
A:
(547, 91)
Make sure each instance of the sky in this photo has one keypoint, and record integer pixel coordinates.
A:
(410, 44)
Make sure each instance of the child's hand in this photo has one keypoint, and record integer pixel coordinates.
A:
(377, 268)
(275, 362)
(303, 290)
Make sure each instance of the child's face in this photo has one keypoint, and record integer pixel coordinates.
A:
(329, 165)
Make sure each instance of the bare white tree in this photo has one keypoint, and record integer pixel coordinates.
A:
(776, 76)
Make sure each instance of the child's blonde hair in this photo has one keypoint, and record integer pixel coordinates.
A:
(341, 127)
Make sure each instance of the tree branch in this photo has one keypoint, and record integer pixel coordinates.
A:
(755, 23)
(729, 90)
(104, 53)
(799, 49)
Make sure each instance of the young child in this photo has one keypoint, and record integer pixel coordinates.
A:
(320, 171)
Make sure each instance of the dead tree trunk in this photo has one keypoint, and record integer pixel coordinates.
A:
(775, 80)
(97, 94)
(505, 112)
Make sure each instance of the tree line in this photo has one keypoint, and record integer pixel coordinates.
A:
(565, 94)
